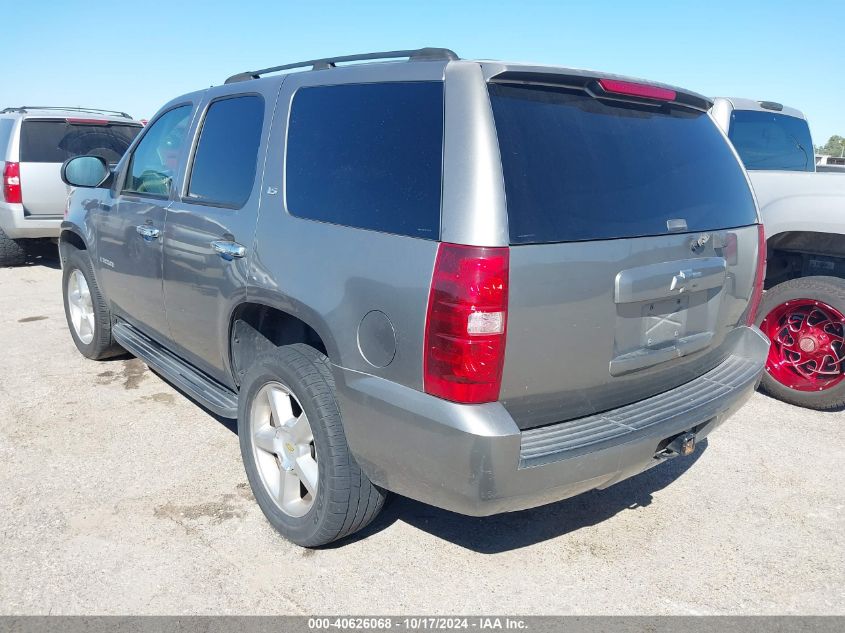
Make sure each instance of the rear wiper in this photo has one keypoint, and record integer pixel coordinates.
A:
(801, 147)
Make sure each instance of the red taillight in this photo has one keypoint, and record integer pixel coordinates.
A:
(637, 90)
(759, 277)
(12, 183)
(466, 323)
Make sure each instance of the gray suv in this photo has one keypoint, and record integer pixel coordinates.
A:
(34, 142)
(482, 285)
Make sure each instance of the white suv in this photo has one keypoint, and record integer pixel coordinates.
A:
(34, 142)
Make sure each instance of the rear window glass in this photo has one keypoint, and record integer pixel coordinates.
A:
(224, 165)
(45, 141)
(577, 168)
(367, 156)
(765, 140)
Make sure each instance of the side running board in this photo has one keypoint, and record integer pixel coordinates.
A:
(206, 391)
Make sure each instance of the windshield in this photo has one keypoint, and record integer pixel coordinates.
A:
(579, 168)
(766, 140)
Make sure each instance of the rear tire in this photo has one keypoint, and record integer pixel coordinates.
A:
(91, 332)
(343, 500)
(12, 252)
(793, 302)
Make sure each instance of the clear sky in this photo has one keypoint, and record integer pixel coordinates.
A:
(136, 55)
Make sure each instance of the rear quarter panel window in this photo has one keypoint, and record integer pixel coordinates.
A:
(578, 168)
(224, 165)
(367, 156)
(6, 127)
(54, 141)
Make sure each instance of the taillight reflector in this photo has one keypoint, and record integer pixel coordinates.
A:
(12, 183)
(759, 277)
(637, 90)
(466, 323)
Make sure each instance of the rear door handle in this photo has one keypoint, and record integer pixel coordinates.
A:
(228, 250)
(148, 232)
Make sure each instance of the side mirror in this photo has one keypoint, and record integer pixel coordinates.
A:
(86, 171)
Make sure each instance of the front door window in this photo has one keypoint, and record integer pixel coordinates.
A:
(156, 158)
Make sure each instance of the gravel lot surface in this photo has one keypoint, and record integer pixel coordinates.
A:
(118, 495)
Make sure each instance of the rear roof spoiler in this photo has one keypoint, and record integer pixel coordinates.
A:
(591, 82)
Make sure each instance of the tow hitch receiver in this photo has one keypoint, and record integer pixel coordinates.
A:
(683, 445)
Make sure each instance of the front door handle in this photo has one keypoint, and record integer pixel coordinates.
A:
(148, 232)
(228, 250)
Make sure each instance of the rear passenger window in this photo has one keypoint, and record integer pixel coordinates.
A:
(367, 156)
(224, 164)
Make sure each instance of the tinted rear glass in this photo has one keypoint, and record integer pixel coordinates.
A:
(368, 156)
(577, 168)
(224, 165)
(765, 140)
(55, 141)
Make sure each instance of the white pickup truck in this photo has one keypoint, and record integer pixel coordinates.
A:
(803, 309)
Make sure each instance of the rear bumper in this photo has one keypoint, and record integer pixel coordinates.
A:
(17, 225)
(473, 459)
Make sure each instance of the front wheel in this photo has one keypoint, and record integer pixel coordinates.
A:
(805, 320)
(86, 310)
(294, 450)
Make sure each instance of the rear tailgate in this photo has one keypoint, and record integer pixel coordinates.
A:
(47, 142)
(633, 248)
(42, 189)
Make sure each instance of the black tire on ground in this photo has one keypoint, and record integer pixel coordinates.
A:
(12, 252)
(345, 501)
(830, 290)
(102, 345)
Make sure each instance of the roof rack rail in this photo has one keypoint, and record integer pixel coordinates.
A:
(415, 55)
(69, 109)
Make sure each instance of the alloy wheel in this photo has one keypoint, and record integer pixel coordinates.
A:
(808, 345)
(81, 307)
(283, 448)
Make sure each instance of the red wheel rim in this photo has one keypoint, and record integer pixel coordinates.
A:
(808, 345)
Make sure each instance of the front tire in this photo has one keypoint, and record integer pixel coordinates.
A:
(86, 310)
(805, 320)
(294, 450)
(12, 252)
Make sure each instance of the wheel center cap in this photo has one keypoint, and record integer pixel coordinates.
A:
(289, 447)
(807, 344)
